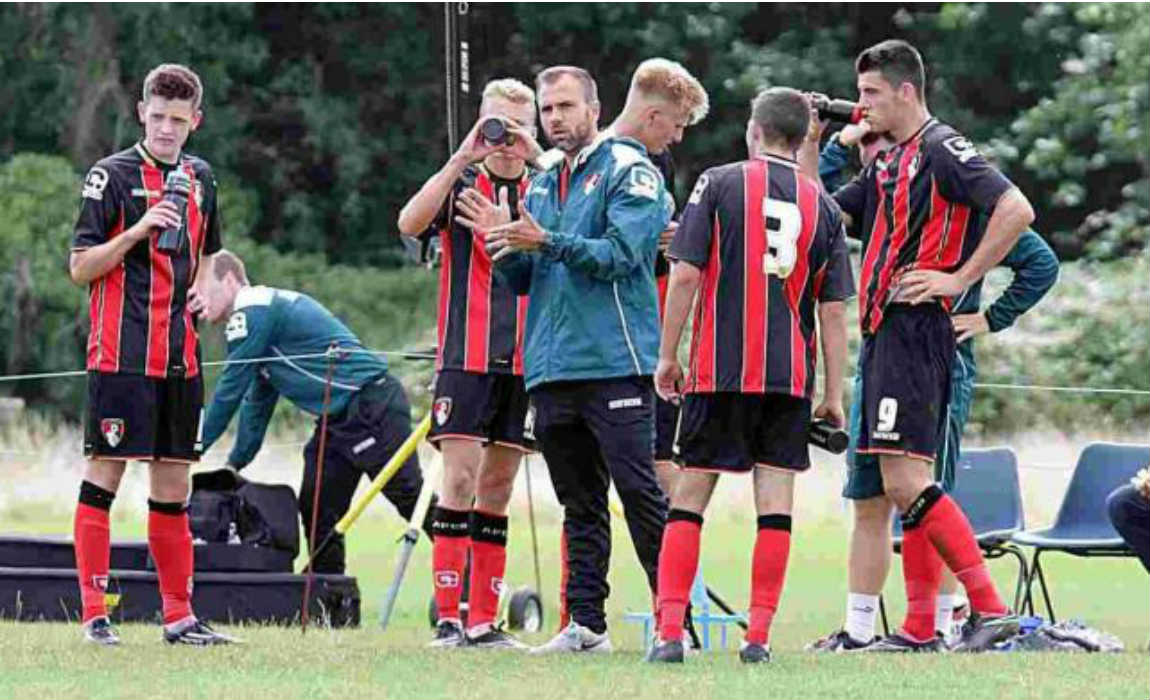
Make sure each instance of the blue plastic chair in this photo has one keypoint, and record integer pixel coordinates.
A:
(986, 487)
(1082, 527)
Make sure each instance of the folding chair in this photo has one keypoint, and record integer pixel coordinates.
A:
(986, 487)
(1082, 527)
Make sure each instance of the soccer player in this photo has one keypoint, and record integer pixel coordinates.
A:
(920, 206)
(584, 247)
(145, 391)
(1035, 269)
(368, 413)
(766, 247)
(481, 405)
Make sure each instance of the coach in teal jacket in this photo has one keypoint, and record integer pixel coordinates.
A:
(593, 310)
(277, 344)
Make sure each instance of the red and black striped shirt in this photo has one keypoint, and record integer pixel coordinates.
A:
(481, 321)
(920, 205)
(139, 319)
(770, 245)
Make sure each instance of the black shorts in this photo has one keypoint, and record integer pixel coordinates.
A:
(490, 408)
(906, 369)
(735, 432)
(131, 416)
(666, 424)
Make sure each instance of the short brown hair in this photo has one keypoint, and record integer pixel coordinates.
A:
(549, 75)
(783, 114)
(173, 81)
(897, 61)
(225, 262)
(672, 82)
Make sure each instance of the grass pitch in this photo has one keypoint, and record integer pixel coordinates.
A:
(47, 661)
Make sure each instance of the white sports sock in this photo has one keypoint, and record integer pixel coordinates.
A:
(862, 611)
(944, 613)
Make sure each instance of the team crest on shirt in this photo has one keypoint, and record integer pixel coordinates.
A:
(113, 431)
(591, 183)
(442, 410)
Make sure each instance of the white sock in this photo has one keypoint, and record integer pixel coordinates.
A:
(862, 611)
(944, 613)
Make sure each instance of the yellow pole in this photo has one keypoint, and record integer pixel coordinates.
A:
(405, 450)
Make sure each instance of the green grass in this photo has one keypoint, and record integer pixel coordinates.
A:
(47, 661)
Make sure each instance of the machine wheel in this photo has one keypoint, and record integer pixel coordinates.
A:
(525, 610)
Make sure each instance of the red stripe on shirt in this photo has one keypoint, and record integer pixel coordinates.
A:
(754, 278)
(955, 236)
(520, 333)
(160, 286)
(105, 313)
(477, 342)
(900, 230)
(931, 246)
(807, 194)
(703, 351)
(195, 243)
(444, 291)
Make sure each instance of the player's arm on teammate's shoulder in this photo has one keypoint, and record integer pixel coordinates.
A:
(255, 413)
(94, 254)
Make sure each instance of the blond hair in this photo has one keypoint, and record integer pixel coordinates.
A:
(668, 80)
(511, 90)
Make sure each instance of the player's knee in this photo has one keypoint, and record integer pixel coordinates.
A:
(104, 473)
(458, 489)
(169, 482)
(873, 514)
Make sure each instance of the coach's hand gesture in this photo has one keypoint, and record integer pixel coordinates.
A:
(522, 235)
(478, 213)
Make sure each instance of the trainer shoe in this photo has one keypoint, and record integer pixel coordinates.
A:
(751, 653)
(838, 642)
(193, 632)
(494, 637)
(448, 635)
(100, 631)
(666, 652)
(899, 643)
(575, 638)
(982, 632)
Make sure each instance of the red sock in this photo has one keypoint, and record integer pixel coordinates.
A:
(768, 572)
(170, 542)
(448, 559)
(564, 574)
(92, 534)
(922, 573)
(488, 562)
(678, 561)
(952, 536)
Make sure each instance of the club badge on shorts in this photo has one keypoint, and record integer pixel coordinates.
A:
(113, 431)
(442, 410)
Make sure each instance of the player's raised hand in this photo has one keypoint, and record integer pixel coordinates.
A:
(525, 234)
(669, 380)
(969, 325)
(522, 143)
(474, 147)
(927, 285)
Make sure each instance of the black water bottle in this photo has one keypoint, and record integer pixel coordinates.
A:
(177, 186)
(823, 434)
(843, 111)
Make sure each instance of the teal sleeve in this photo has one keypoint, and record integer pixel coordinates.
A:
(249, 333)
(255, 414)
(1035, 270)
(637, 213)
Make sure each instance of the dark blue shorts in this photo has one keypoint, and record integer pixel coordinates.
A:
(728, 431)
(489, 408)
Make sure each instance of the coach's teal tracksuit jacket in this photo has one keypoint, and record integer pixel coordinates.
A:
(278, 325)
(593, 310)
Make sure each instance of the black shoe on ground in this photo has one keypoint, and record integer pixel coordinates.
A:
(448, 635)
(983, 632)
(100, 631)
(899, 643)
(494, 638)
(666, 652)
(197, 634)
(754, 653)
(837, 642)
